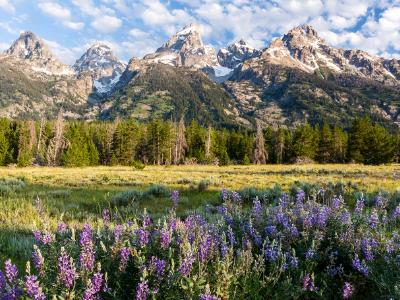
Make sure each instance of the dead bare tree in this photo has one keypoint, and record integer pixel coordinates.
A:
(260, 155)
(180, 142)
(57, 143)
(208, 143)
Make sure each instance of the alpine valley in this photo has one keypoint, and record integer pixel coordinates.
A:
(297, 77)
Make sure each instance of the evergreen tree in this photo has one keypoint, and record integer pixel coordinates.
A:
(325, 149)
(359, 131)
(305, 142)
(6, 152)
(196, 140)
(126, 136)
(380, 146)
(26, 139)
(278, 141)
(81, 150)
(339, 143)
(160, 142)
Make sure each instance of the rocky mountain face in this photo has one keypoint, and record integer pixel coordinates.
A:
(297, 77)
(34, 83)
(29, 48)
(236, 53)
(300, 76)
(104, 67)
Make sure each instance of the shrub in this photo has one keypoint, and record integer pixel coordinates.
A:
(203, 185)
(126, 198)
(157, 191)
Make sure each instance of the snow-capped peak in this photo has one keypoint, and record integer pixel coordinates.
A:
(31, 48)
(236, 53)
(104, 67)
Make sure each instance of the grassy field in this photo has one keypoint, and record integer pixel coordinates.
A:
(79, 195)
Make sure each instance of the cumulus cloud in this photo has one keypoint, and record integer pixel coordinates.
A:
(61, 13)
(106, 24)
(7, 6)
(65, 54)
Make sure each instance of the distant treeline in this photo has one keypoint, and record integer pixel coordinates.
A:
(126, 142)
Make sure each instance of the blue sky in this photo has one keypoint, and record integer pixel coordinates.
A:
(138, 27)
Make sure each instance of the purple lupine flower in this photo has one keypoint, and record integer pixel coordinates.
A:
(2, 281)
(87, 258)
(208, 297)
(124, 254)
(373, 220)
(335, 270)
(336, 202)
(86, 235)
(308, 283)
(118, 232)
(66, 270)
(186, 266)
(231, 236)
(37, 258)
(165, 239)
(310, 253)
(11, 271)
(257, 209)
(323, 216)
(47, 238)
(142, 291)
(379, 201)
(270, 230)
(33, 288)
(300, 196)
(396, 212)
(61, 227)
(347, 291)
(294, 231)
(360, 206)
(37, 235)
(345, 217)
(157, 266)
(271, 253)
(175, 198)
(146, 221)
(360, 266)
(106, 216)
(205, 247)
(366, 247)
(94, 287)
(224, 195)
(236, 197)
(142, 236)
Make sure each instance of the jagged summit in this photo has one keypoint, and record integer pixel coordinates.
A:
(185, 48)
(236, 53)
(31, 48)
(104, 67)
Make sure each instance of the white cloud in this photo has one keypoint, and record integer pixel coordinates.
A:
(7, 6)
(55, 10)
(106, 24)
(74, 25)
(4, 46)
(65, 54)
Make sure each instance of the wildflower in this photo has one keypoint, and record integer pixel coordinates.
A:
(373, 220)
(270, 230)
(118, 232)
(257, 209)
(66, 269)
(106, 216)
(47, 238)
(186, 266)
(360, 266)
(11, 271)
(300, 196)
(208, 297)
(142, 291)
(37, 235)
(37, 258)
(61, 227)
(323, 216)
(308, 283)
(87, 257)
(271, 253)
(396, 213)
(205, 247)
(224, 195)
(175, 198)
(2, 281)
(33, 289)
(142, 237)
(348, 290)
(345, 217)
(157, 266)
(310, 254)
(124, 254)
(337, 202)
(360, 206)
(379, 201)
(94, 287)
(86, 235)
(165, 239)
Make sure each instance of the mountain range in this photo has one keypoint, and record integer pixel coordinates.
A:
(297, 77)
